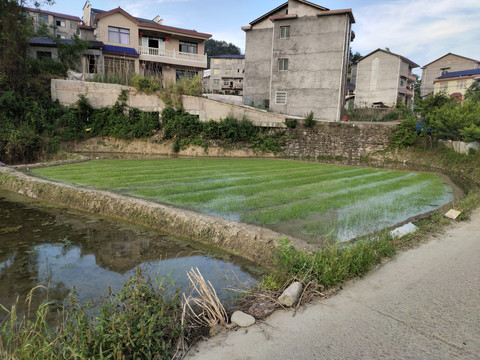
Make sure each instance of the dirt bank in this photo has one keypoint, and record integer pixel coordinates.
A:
(252, 242)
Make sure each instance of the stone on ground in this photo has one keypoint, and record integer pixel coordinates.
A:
(291, 294)
(242, 319)
(262, 310)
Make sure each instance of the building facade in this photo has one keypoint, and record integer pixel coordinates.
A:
(384, 78)
(296, 60)
(447, 63)
(456, 83)
(226, 75)
(146, 47)
(60, 26)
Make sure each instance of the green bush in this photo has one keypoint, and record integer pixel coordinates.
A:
(309, 122)
(404, 134)
(148, 85)
(291, 123)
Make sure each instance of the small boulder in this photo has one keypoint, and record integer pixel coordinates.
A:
(261, 310)
(242, 319)
(291, 294)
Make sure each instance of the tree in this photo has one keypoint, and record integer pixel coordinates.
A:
(354, 57)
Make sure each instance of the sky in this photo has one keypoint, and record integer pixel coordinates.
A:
(421, 30)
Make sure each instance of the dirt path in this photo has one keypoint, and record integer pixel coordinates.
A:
(425, 304)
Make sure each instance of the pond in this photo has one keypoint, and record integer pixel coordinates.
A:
(59, 248)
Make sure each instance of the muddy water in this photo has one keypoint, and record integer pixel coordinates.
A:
(59, 248)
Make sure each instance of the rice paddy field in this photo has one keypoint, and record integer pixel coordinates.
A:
(311, 201)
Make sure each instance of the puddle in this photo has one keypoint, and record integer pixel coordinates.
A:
(59, 248)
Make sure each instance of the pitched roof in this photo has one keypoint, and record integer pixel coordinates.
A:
(284, 5)
(463, 57)
(462, 73)
(391, 53)
(151, 23)
(120, 50)
(59, 15)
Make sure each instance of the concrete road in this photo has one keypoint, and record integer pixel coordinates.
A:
(424, 304)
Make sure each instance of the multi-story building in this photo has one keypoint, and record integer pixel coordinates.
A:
(296, 60)
(226, 74)
(445, 64)
(384, 78)
(147, 47)
(456, 83)
(61, 26)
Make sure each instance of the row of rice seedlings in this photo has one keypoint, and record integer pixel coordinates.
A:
(304, 208)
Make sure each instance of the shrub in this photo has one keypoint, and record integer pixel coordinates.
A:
(291, 123)
(309, 122)
(405, 134)
(148, 85)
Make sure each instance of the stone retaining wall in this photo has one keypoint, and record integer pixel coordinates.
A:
(252, 242)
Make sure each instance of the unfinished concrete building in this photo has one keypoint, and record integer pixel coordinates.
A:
(296, 60)
(384, 78)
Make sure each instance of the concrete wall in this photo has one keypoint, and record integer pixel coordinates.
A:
(377, 79)
(454, 85)
(226, 69)
(315, 53)
(105, 95)
(434, 70)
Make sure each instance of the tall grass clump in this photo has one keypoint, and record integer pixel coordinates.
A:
(142, 321)
(331, 265)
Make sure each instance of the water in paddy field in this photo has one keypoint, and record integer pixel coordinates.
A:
(59, 248)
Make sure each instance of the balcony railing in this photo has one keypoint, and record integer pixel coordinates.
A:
(172, 54)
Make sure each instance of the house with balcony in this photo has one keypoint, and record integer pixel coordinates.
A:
(456, 83)
(146, 47)
(384, 78)
(296, 60)
(226, 74)
(445, 64)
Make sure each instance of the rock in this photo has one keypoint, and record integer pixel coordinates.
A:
(403, 230)
(291, 294)
(261, 310)
(242, 319)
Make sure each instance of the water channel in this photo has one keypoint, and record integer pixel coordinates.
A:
(58, 248)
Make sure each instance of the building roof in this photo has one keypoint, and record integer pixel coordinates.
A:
(227, 57)
(463, 57)
(151, 23)
(391, 53)
(120, 50)
(59, 15)
(463, 73)
(49, 42)
(267, 15)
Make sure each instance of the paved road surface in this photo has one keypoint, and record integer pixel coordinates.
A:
(425, 304)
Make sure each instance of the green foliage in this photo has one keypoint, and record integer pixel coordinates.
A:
(69, 54)
(309, 122)
(187, 130)
(142, 322)
(291, 123)
(332, 264)
(434, 102)
(172, 96)
(148, 85)
(405, 134)
(473, 93)
(215, 47)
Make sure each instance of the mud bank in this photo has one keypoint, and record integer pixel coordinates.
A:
(251, 242)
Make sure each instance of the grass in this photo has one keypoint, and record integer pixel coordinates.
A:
(268, 192)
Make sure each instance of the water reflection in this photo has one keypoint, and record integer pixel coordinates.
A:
(58, 248)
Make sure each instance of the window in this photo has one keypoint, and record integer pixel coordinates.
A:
(180, 74)
(216, 81)
(228, 72)
(44, 55)
(226, 82)
(43, 18)
(61, 37)
(443, 86)
(118, 35)
(462, 84)
(445, 70)
(281, 98)
(73, 25)
(284, 32)
(60, 22)
(283, 64)
(402, 83)
(186, 47)
(216, 71)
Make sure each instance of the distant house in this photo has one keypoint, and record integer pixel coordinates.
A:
(60, 26)
(296, 60)
(445, 64)
(384, 78)
(146, 47)
(456, 83)
(226, 74)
